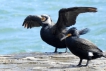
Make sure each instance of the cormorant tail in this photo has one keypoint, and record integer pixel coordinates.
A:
(84, 31)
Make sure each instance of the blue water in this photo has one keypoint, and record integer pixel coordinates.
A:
(14, 38)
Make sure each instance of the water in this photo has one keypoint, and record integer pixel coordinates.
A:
(14, 38)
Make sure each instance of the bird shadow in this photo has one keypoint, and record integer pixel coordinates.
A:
(49, 53)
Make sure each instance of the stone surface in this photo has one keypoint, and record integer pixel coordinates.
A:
(48, 62)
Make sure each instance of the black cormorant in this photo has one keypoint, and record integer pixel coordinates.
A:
(52, 33)
(80, 47)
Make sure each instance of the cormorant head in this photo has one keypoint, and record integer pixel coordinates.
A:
(46, 19)
(75, 33)
(71, 32)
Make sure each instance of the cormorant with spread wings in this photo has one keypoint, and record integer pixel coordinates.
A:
(52, 33)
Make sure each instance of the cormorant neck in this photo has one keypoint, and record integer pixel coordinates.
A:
(75, 37)
(45, 25)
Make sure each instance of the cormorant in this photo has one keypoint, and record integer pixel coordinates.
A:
(80, 47)
(52, 33)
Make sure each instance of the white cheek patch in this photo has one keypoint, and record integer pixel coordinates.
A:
(48, 21)
(90, 54)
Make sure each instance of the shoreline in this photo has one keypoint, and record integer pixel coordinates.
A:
(38, 61)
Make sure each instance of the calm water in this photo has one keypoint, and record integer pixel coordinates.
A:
(16, 39)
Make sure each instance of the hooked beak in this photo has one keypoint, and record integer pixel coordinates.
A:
(66, 36)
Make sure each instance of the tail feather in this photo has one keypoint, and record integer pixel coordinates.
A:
(84, 31)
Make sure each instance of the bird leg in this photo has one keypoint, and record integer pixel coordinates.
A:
(87, 63)
(66, 50)
(55, 50)
(80, 63)
(88, 60)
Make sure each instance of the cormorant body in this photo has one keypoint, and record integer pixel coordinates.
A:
(52, 33)
(51, 39)
(82, 48)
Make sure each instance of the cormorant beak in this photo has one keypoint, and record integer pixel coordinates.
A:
(68, 35)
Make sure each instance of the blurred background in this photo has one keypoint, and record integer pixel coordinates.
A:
(14, 38)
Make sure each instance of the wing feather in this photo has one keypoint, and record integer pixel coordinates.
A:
(87, 45)
(72, 13)
(32, 21)
(67, 17)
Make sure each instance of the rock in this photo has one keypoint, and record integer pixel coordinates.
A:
(48, 62)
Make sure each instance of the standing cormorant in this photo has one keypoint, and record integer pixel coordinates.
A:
(52, 33)
(80, 47)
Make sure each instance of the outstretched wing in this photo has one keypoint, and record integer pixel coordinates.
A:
(67, 17)
(32, 21)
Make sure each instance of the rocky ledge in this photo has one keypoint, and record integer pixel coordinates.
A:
(48, 62)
